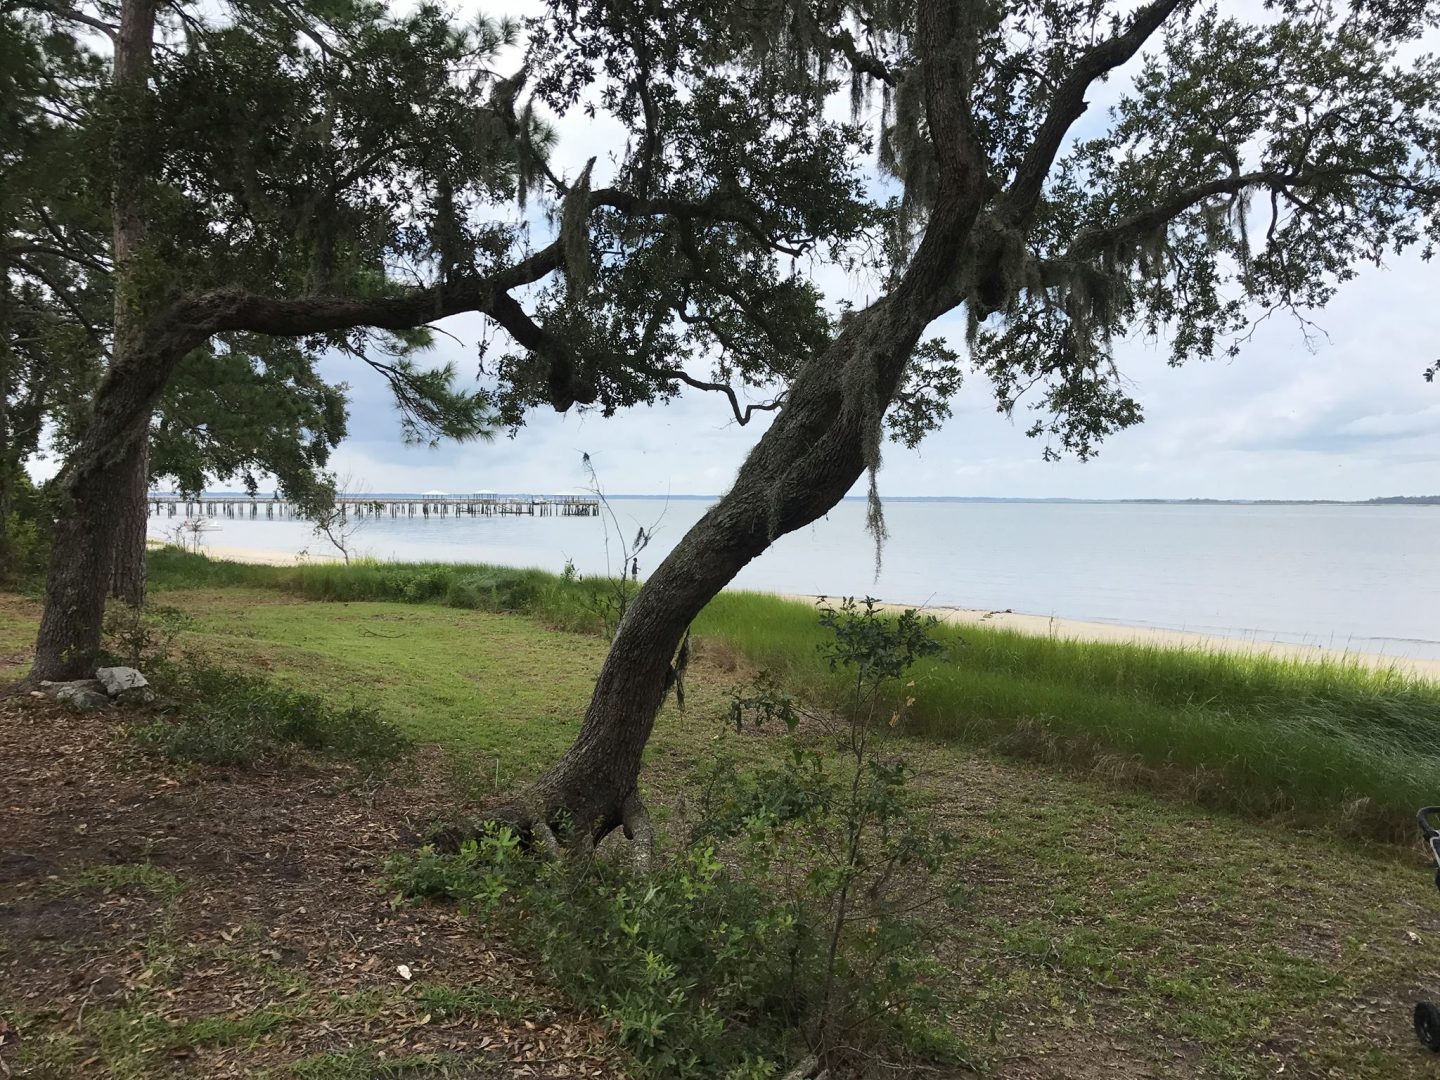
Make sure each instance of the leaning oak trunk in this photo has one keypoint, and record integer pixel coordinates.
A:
(813, 453)
(811, 456)
(127, 575)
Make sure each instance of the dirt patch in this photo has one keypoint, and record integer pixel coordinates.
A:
(221, 923)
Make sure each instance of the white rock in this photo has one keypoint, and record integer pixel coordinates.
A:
(53, 690)
(125, 684)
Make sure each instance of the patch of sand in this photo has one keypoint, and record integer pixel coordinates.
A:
(263, 557)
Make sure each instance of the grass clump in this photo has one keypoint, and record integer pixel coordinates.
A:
(212, 715)
(447, 1002)
(1331, 742)
(363, 1063)
(111, 877)
(566, 602)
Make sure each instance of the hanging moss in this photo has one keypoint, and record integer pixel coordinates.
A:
(862, 398)
(575, 233)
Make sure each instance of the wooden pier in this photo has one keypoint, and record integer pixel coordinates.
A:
(395, 506)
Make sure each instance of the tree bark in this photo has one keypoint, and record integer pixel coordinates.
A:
(127, 574)
(81, 560)
(803, 465)
(98, 484)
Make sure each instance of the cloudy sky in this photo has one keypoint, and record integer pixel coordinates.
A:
(1346, 416)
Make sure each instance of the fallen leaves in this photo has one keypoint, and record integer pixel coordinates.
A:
(274, 919)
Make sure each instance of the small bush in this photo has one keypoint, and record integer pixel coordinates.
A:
(24, 551)
(215, 716)
(673, 961)
(417, 586)
(794, 922)
(143, 636)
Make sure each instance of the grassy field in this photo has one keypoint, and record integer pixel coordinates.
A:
(1354, 749)
(1233, 923)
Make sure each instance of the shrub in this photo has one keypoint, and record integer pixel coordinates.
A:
(216, 716)
(494, 590)
(791, 923)
(141, 636)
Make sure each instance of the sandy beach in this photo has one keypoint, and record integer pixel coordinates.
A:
(1038, 625)
(1083, 630)
(261, 557)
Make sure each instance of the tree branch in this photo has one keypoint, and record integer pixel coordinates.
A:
(62, 298)
(948, 32)
(60, 11)
(741, 418)
(1069, 103)
(1095, 240)
(863, 62)
(59, 253)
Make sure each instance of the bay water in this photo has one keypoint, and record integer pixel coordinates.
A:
(1360, 577)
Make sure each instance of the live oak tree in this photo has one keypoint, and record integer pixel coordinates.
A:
(341, 178)
(277, 149)
(1249, 167)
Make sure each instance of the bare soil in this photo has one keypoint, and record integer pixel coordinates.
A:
(237, 923)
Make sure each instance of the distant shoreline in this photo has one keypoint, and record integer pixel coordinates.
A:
(1020, 622)
(1382, 500)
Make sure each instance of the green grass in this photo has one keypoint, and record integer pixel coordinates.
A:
(111, 877)
(503, 695)
(1099, 924)
(1330, 742)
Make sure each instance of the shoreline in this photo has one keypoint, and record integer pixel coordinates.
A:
(1160, 637)
(1019, 622)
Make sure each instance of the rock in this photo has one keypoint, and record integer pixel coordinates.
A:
(125, 685)
(52, 690)
(75, 696)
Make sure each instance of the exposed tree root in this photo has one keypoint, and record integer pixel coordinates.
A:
(806, 1070)
(636, 822)
(554, 834)
(545, 840)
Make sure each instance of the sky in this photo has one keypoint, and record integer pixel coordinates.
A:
(1346, 415)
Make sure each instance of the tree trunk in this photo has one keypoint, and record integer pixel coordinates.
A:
(98, 484)
(8, 450)
(810, 457)
(81, 560)
(817, 447)
(127, 575)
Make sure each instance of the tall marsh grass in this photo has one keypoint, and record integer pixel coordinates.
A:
(1333, 742)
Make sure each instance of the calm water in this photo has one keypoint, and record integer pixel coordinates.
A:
(1359, 577)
